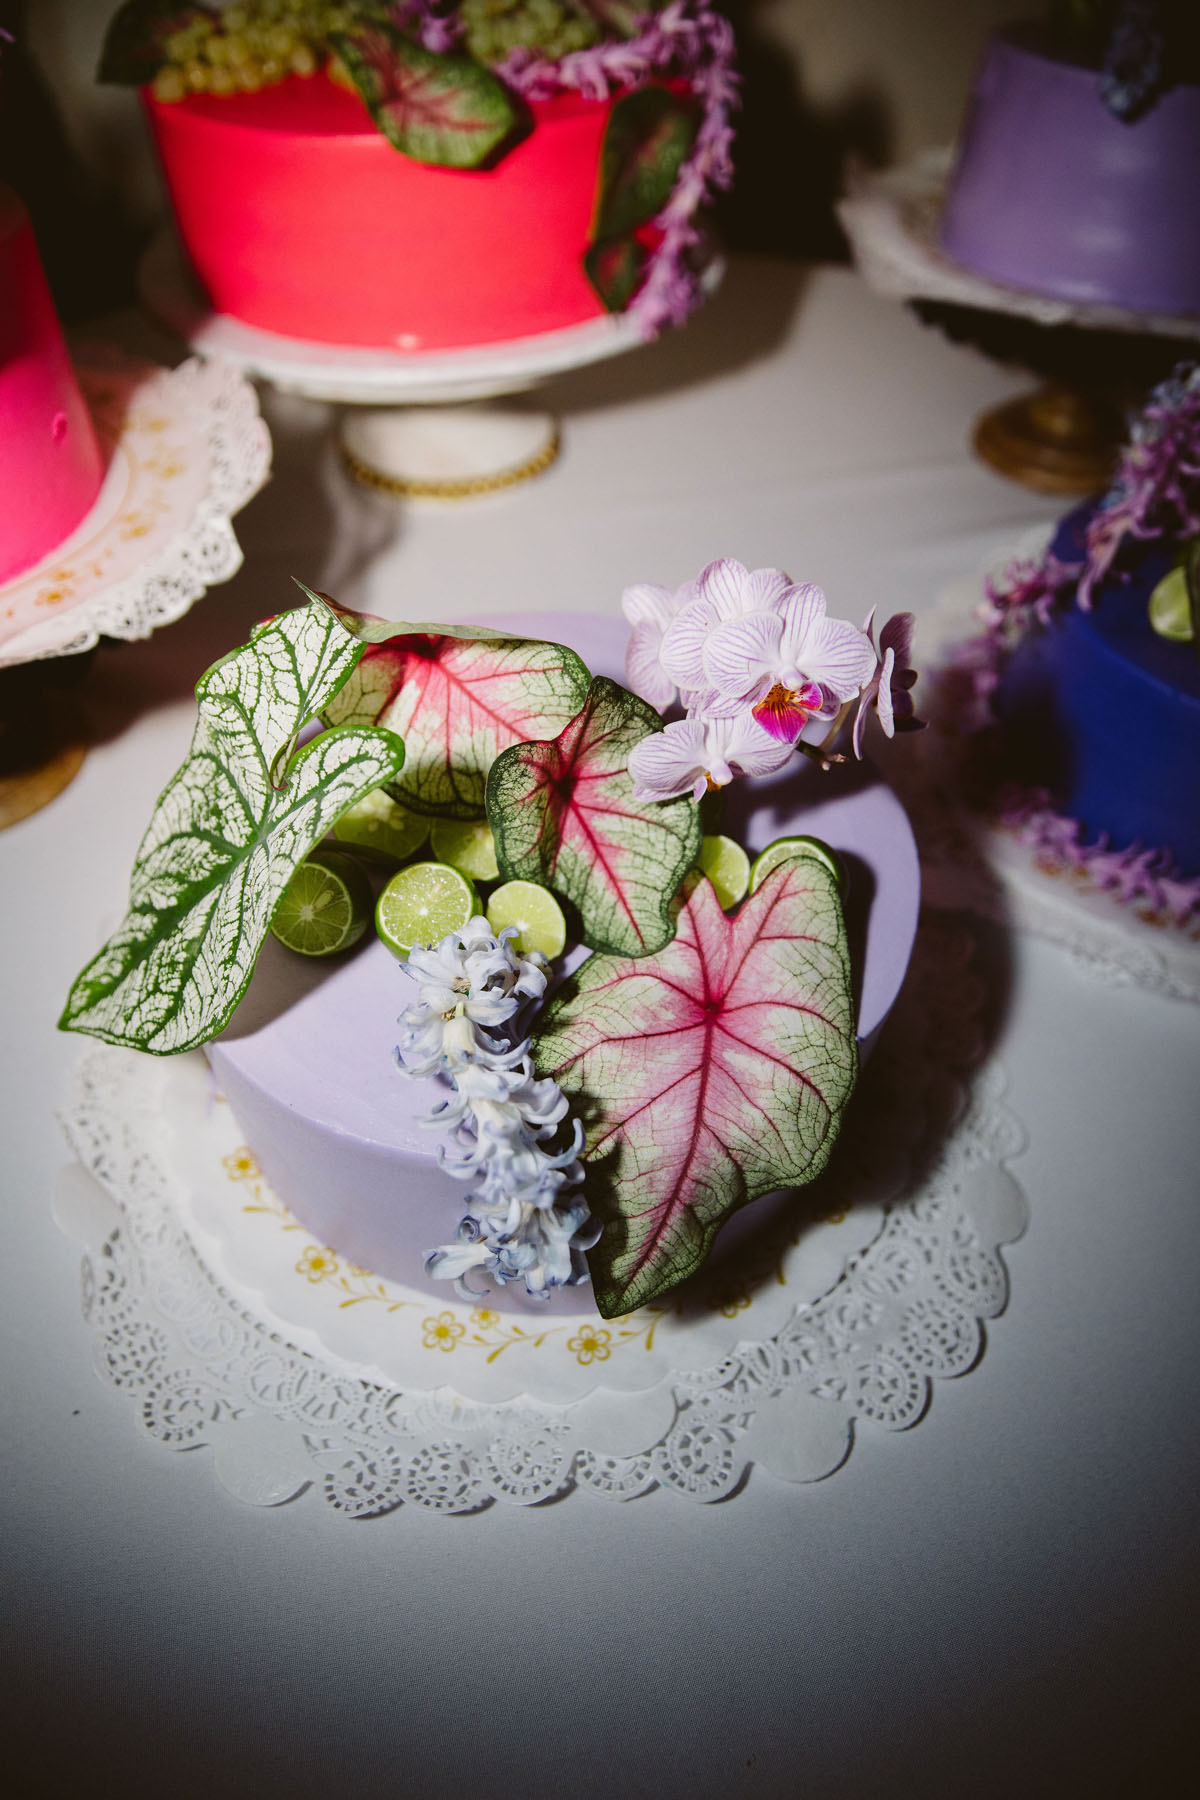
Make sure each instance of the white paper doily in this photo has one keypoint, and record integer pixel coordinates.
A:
(378, 377)
(891, 218)
(969, 862)
(186, 449)
(906, 1305)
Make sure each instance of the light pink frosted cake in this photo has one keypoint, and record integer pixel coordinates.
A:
(50, 462)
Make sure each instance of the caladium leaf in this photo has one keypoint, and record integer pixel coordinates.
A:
(615, 269)
(707, 1075)
(649, 135)
(458, 698)
(133, 50)
(442, 108)
(563, 814)
(238, 817)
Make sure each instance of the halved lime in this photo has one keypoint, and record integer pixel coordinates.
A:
(421, 904)
(1170, 609)
(783, 849)
(467, 845)
(381, 825)
(535, 913)
(727, 867)
(324, 907)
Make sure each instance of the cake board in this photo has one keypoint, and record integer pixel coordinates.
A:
(185, 449)
(424, 424)
(1058, 439)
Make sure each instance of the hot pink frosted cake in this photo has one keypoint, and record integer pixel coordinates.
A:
(50, 462)
(420, 177)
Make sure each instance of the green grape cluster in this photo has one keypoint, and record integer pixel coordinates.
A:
(553, 27)
(240, 48)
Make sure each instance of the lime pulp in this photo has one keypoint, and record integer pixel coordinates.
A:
(382, 826)
(325, 906)
(534, 912)
(467, 845)
(422, 904)
(727, 867)
(784, 849)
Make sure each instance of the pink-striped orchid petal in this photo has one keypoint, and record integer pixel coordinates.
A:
(721, 586)
(883, 696)
(833, 653)
(643, 669)
(739, 654)
(673, 761)
(748, 748)
(645, 603)
(682, 652)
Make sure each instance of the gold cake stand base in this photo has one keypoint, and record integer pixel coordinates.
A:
(1055, 440)
(42, 740)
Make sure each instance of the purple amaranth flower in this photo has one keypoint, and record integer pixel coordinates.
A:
(1156, 492)
(694, 754)
(761, 642)
(888, 689)
(687, 41)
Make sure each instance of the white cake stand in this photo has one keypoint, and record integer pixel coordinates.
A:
(185, 449)
(420, 429)
(1054, 440)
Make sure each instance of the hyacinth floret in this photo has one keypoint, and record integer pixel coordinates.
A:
(503, 1126)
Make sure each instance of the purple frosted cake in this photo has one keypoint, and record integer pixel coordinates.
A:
(1053, 193)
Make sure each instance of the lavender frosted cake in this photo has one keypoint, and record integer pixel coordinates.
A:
(600, 1020)
(1063, 184)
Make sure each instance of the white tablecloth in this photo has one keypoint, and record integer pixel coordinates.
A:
(1001, 1600)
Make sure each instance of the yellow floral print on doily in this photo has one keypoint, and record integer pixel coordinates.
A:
(491, 1333)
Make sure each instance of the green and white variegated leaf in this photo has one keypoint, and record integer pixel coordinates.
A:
(441, 108)
(563, 814)
(458, 697)
(237, 819)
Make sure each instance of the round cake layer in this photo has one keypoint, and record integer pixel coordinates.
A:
(302, 219)
(308, 1063)
(50, 462)
(1052, 193)
(1105, 713)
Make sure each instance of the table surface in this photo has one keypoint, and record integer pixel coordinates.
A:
(999, 1600)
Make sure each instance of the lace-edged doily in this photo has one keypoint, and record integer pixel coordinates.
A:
(969, 862)
(907, 1304)
(186, 450)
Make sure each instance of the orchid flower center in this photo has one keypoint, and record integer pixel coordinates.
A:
(785, 711)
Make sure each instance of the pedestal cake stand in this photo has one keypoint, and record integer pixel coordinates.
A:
(418, 428)
(1059, 439)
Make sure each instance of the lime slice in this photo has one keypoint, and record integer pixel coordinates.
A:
(420, 904)
(727, 867)
(467, 845)
(785, 848)
(324, 907)
(381, 825)
(1170, 610)
(535, 913)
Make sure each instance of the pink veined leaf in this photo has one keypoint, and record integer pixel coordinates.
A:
(708, 1075)
(563, 814)
(463, 700)
(441, 108)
